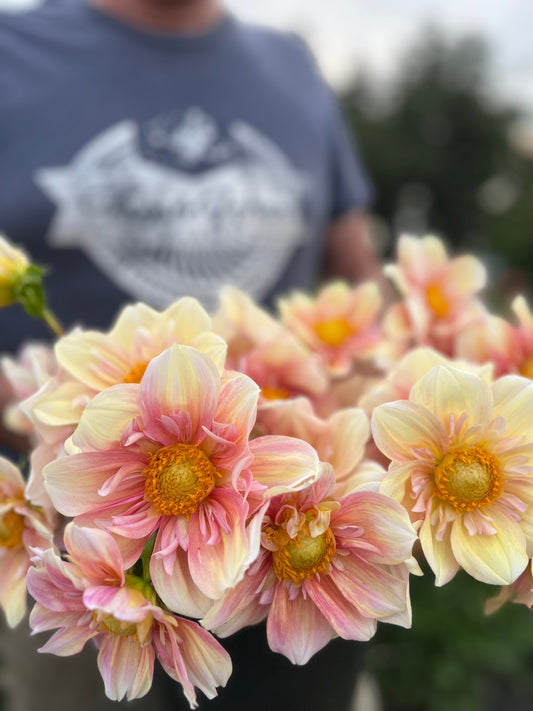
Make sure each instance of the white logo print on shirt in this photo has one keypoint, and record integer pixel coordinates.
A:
(230, 211)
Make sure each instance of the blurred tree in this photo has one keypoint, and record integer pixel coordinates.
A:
(439, 152)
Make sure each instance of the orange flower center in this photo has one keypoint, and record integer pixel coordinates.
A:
(333, 332)
(272, 392)
(11, 528)
(136, 373)
(303, 556)
(469, 478)
(436, 300)
(178, 479)
(527, 368)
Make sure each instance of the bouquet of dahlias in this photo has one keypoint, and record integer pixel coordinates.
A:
(194, 473)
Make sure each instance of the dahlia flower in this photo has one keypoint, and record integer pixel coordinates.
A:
(22, 526)
(89, 595)
(403, 375)
(509, 347)
(339, 324)
(331, 564)
(461, 452)
(170, 455)
(438, 294)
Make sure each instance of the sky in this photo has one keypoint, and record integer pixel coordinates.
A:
(347, 35)
(373, 34)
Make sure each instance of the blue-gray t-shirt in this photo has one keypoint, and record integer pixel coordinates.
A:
(143, 166)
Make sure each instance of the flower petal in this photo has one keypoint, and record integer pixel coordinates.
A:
(513, 400)
(126, 667)
(73, 482)
(193, 657)
(181, 379)
(438, 553)
(347, 622)
(497, 559)
(296, 628)
(284, 464)
(401, 426)
(177, 590)
(446, 391)
(106, 417)
(220, 565)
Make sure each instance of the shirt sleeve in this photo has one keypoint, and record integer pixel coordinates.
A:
(351, 186)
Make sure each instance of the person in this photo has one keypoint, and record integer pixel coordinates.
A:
(155, 148)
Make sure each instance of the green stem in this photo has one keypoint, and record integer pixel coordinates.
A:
(52, 322)
(145, 558)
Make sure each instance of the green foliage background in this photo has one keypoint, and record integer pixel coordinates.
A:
(439, 150)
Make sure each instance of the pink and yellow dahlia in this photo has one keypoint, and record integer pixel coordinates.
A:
(166, 455)
(438, 292)
(91, 361)
(89, 595)
(461, 452)
(340, 324)
(171, 456)
(22, 526)
(331, 564)
(508, 346)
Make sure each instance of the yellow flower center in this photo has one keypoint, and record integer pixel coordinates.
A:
(469, 478)
(304, 556)
(178, 479)
(436, 300)
(527, 368)
(11, 528)
(333, 332)
(272, 392)
(136, 373)
(117, 627)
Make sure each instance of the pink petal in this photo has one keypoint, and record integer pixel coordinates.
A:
(69, 639)
(177, 588)
(237, 405)
(284, 464)
(53, 589)
(296, 628)
(215, 567)
(125, 604)
(97, 554)
(375, 591)
(240, 605)
(192, 656)
(73, 481)
(341, 615)
(126, 667)
(385, 522)
(181, 378)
